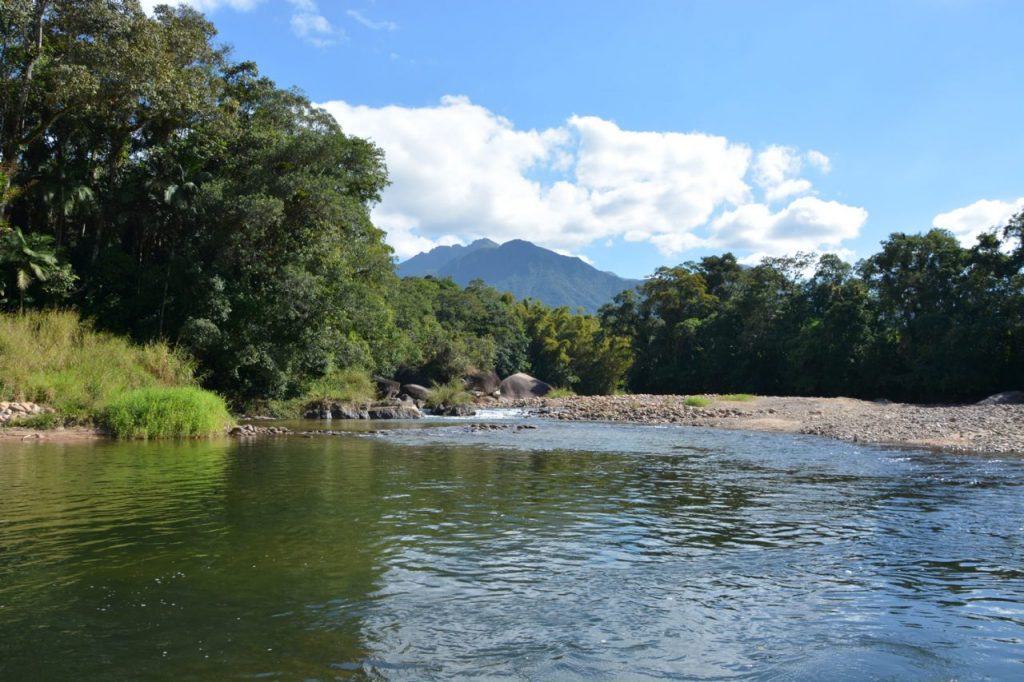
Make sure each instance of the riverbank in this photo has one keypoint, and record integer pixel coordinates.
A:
(966, 428)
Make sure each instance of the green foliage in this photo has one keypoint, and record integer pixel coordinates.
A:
(698, 401)
(160, 412)
(561, 393)
(449, 394)
(736, 397)
(56, 359)
(348, 386)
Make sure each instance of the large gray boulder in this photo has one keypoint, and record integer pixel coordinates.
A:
(521, 385)
(403, 411)
(387, 388)
(1004, 398)
(416, 391)
(484, 382)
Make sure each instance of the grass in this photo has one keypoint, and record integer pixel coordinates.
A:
(56, 359)
(159, 412)
(737, 397)
(697, 401)
(450, 394)
(561, 393)
(344, 386)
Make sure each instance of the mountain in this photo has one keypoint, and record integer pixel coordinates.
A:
(431, 262)
(524, 269)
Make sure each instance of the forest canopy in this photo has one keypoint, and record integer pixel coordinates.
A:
(167, 192)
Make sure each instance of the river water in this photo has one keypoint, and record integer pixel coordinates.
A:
(567, 551)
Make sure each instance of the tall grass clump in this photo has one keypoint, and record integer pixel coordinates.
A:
(560, 393)
(57, 359)
(161, 412)
(698, 401)
(451, 394)
(736, 397)
(346, 386)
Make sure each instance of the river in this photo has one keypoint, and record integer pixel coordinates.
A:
(565, 551)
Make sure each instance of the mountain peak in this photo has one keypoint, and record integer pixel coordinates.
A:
(524, 269)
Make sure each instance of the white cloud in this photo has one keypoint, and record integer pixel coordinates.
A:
(311, 26)
(776, 170)
(806, 224)
(361, 18)
(461, 171)
(201, 5)
(967, 222)
(819, 160)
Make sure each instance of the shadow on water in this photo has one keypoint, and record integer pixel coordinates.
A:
(567, 551)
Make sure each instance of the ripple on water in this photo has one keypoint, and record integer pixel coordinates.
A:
(568, 551)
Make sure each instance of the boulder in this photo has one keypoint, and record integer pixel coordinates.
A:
(483, 382)
(387, 388)
(416, 391)
(521, 385)
(393, 412)
(454, 411)
(347, 411)
(1004, 398)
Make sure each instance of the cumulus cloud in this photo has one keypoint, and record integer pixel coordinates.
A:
(806, 224)
(776, 170)
(460, 172)
(967, 222)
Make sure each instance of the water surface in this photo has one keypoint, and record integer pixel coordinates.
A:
(563, 552)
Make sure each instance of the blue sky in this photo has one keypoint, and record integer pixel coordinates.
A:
(650, 133)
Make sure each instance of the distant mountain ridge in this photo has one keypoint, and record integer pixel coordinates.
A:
(524, 269)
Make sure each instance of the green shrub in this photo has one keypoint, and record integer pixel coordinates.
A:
(450, 394)
(737, 397)
(346, 386)
(166, 413)
(698, 401)
(56, 359)
(561, 393)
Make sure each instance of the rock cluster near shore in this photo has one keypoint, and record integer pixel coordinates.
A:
(979, 428)
(12, 412)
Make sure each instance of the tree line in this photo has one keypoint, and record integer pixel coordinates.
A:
(168, 192)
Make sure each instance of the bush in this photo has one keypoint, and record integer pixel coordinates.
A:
(737, 397)
(54, 358)
(561, 393)
(697, 401)
(346, 386)
(450, 394)
(166, 413)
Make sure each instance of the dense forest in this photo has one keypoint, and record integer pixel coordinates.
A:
(167, 192)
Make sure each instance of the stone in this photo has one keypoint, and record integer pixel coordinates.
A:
(482, 382)
(1004, 398)
(393, 412)
(387, 388)
(416, 391)
(521, 385)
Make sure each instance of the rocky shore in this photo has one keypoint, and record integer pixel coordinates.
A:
(967, 428)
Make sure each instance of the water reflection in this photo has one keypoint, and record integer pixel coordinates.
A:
(591, 551)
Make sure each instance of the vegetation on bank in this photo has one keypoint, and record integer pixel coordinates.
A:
(451, 394)
(182, 200)
(56, 359)
(161, 412)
